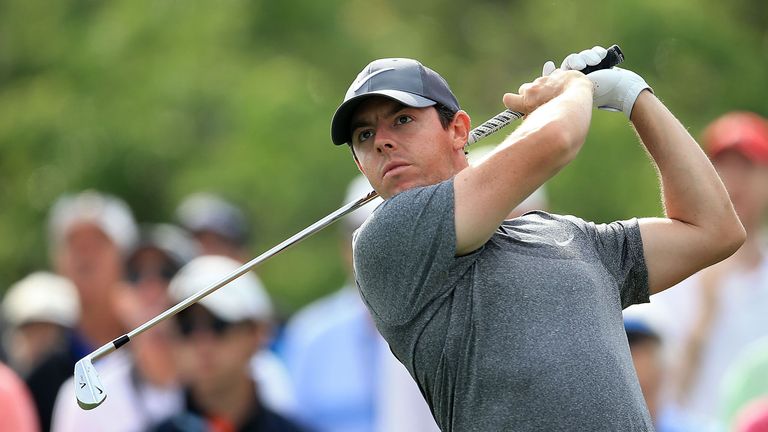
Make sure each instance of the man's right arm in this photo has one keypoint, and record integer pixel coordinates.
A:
(559, 108)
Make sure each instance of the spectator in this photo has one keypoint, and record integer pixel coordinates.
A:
(146, 380)
(41, 310)
(17, 412)
(722, 309)
(345, 377)
(219, 336)
(221, 228)
(90, 234)
(218, 225)
(645, 334)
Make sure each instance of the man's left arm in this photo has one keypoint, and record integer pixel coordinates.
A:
(701, 226)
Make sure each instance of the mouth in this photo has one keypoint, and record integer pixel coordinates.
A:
(392, 168)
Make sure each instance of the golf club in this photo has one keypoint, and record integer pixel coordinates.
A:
(89, 390)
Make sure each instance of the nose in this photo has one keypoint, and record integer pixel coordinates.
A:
(383, 140)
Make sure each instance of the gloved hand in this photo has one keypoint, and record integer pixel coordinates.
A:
(616, 89)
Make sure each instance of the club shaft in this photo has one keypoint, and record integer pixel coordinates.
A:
(487, 128)
(245, 268)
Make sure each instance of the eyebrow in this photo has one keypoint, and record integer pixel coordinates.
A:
(361, 123)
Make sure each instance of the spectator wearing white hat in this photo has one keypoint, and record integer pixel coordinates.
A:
(219, 336)
(40, 310)
(221, 228)
(90, 233)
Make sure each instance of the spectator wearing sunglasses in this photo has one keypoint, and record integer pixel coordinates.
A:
(218, 337)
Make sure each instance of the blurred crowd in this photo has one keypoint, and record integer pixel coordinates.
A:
(700, 349)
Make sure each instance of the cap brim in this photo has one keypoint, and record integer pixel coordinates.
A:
(340, 130)
(754, 153)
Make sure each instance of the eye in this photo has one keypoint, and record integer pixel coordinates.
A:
(403, 119)
(364, 135)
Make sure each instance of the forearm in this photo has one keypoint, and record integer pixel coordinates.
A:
(547, 140)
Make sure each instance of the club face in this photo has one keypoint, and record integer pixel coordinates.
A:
(88, 388)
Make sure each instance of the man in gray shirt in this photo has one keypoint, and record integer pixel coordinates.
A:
(516, 324)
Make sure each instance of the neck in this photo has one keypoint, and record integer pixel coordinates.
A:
(153, 355)
(650, 401)
(234, 402)
(99, 325)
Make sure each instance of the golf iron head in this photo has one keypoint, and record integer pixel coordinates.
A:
(88, 388)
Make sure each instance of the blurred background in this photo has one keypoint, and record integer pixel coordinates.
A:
(215, 116)
(152, 100)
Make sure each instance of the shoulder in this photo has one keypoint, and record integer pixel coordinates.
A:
(407, 221)
(412, 202)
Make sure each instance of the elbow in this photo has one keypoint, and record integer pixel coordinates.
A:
(729, 237)
(737, 237)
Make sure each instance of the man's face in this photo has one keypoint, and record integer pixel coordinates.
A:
(747, 185)
(212, 243)
(646, 356)
(149, 271)
(399, 147)
(90, 260)
(214, 354)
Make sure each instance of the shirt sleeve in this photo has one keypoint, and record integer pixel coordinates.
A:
(620, 248)
(404, 251)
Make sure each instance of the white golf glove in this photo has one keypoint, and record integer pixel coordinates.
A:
(616, 89)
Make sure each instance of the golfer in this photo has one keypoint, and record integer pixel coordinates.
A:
(516, 325)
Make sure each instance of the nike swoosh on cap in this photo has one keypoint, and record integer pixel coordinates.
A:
(359, 82)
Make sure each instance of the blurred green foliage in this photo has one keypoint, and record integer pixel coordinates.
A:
(154, 99)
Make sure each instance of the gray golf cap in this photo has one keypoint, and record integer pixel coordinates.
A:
(404, 80)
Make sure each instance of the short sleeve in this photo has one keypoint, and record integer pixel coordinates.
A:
(404, 251)
(620, 247)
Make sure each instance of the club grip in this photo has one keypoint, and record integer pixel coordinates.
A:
(613, 58)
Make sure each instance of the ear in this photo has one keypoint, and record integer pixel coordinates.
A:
(357, 161)
(459, 129)
(359, 167)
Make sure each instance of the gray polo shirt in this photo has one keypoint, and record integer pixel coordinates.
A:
(525, 333)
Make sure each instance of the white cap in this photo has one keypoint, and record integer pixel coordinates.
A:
(357, 189)
(42, 297)
(243, 299)
(107, 212)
